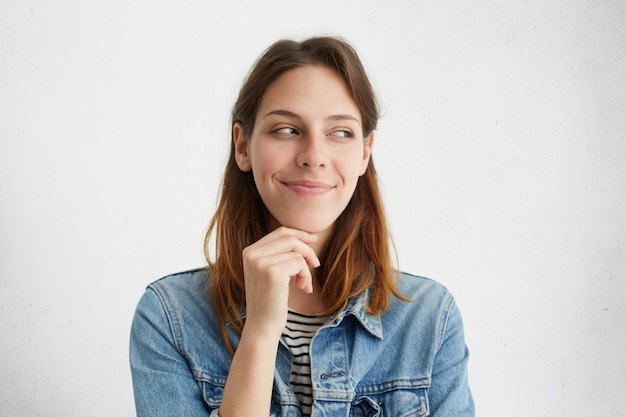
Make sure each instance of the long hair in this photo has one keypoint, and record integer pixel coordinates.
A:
(358, 254)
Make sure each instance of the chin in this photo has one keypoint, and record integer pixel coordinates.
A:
(309, 226)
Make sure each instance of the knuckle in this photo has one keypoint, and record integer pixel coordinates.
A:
(248, 254)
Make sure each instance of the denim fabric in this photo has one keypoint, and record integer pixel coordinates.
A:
(411, 361)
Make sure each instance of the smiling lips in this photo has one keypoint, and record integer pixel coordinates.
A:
(305, 188)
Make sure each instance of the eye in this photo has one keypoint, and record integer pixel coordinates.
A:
(342, 133)
(286, 130)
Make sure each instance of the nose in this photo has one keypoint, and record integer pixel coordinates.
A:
(312, 152)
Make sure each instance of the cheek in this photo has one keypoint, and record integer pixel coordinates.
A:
(265, 162)
(351, 166)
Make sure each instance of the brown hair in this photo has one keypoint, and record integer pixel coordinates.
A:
(358, 254)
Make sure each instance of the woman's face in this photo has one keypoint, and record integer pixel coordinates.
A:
(307, 149)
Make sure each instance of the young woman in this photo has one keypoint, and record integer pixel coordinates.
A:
(300, 311)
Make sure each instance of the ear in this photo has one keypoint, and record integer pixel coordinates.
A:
(368, 144)
(241, 148)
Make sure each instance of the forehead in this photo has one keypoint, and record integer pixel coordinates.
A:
(309, 91)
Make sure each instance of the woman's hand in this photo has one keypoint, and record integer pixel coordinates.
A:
(269, 265)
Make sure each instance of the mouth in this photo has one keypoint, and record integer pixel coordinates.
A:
(306, 188)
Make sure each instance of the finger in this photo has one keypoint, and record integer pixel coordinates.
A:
(282, 244)
(283, 231)
(289, 264)
(304, 284)
(282, 268)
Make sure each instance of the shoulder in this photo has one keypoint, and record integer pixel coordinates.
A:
(178, 300)
(430, 325)
(182, 286)
(176, 350)
(182, 298)
(429, 307)
(421, 289)
(176, 310)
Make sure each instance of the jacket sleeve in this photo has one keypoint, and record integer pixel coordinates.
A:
(163, 382)
(449, 393)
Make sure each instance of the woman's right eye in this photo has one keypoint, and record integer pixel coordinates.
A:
(285, 131)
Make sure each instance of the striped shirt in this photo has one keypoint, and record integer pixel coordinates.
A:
(298, 333)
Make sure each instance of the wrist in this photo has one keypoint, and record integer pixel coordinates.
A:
(260, 337)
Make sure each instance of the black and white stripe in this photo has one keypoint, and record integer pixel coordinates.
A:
(298, 333)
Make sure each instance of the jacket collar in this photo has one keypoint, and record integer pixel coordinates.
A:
(357, 307)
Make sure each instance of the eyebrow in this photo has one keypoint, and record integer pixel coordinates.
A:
(293, 115)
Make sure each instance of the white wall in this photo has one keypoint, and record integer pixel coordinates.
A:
(502, 153)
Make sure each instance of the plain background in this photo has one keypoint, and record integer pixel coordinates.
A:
(502, 155)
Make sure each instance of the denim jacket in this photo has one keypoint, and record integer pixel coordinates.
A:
(411, 361)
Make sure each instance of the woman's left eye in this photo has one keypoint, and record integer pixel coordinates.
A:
(342, 133)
